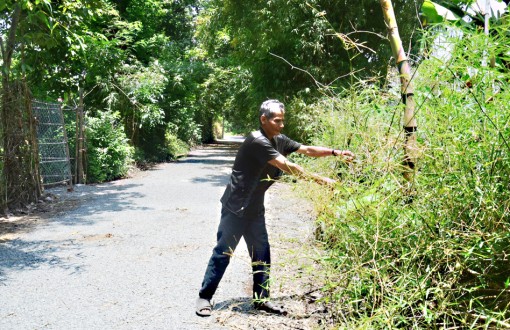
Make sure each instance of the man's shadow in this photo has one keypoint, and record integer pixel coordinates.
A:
(245, 305)
(238, 305)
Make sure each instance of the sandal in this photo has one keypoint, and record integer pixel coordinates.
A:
(271, 308)
(204, 307)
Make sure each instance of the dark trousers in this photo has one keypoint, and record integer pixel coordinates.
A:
(230, 231)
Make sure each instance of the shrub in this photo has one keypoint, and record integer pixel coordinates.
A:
(175, 146)
(109, 154)
(442, 260)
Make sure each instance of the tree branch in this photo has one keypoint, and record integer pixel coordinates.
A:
(320, 85)
(11, 41)
(2, 51)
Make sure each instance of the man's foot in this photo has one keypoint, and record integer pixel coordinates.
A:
(269, 307)
(204, 307)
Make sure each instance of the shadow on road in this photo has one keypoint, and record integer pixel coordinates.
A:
(104, 198)
(86, 206)
(92, 200)
(212, 156)
(113, 198)
(21, 255)
(240, 305)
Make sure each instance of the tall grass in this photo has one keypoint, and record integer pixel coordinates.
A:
(440, 259)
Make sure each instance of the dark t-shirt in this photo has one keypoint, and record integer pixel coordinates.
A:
(252, 175)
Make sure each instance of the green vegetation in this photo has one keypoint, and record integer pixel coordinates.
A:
(440, 261)
(162, 76)
(109, 154)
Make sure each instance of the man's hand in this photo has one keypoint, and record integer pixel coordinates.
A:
(323, 180)
(347, 155)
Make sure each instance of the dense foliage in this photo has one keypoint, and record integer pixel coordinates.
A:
(159, 76)
(109, 154)
(299, 47)
(442, 260)
(177, 67)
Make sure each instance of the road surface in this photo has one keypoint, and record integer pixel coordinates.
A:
(131, 254)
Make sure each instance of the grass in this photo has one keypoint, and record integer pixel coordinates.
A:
(442, 260)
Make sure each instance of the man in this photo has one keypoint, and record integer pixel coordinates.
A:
(260, 160)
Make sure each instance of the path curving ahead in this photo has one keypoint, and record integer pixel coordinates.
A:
(130, 255)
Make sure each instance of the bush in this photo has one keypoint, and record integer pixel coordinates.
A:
(442, 260)
(109, 155)
(175, 146)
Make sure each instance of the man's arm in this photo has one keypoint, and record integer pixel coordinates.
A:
(315, 151)
(292, 168)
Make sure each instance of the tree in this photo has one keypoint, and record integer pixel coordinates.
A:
(156, 48)
(272, 39)
(20, 180)
(31, 29)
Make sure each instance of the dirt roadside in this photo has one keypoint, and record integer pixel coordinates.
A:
(296, 275)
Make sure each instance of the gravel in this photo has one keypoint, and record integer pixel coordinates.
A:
(131, 254)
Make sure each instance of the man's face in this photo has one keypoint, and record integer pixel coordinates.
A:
(272, 127)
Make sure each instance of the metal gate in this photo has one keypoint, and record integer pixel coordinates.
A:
(55, 162)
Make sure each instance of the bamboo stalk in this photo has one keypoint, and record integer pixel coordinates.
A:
(407, 90)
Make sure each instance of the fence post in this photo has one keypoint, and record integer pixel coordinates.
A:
(66, 149)
(80, 143)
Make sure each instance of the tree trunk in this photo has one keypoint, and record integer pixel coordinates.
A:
(7, 51)
(407, 91)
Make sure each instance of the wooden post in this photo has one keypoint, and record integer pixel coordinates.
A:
(80, 144)
(66, 148)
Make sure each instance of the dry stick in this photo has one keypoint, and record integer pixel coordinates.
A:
(346, 41)
(490, 319)
(320, 85)
(368, 32)
(345, 75)
(90, 91)
(344, 37)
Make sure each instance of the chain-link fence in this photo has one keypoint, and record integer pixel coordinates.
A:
(55, 161)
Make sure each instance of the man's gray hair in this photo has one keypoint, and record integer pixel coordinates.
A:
(270, 107)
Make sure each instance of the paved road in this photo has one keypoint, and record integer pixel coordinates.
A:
(131, 255)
